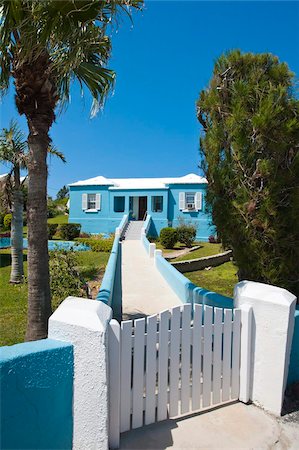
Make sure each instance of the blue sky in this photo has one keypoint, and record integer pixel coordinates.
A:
(149, 126)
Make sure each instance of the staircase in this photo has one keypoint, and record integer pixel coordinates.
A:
(133, 230)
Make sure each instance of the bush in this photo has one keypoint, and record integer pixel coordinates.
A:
(7, 221)
(84, 235)
(2, 215)
(97, 244)
(69, 231)
(65, 279)
(5, 235)
(52, 228)
(168, 237)
(214, 239)
(186, 234)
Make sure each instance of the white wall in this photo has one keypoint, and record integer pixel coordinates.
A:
(84, 323)
(272, 330)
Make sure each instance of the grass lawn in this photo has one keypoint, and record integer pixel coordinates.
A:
(178, 246)
(206, 249)
(63, 218)
(220, 279)
(13, 306)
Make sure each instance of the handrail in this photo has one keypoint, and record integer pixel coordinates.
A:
(144, 216)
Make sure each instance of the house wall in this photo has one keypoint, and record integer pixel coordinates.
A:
(106, 219)
(201, 219)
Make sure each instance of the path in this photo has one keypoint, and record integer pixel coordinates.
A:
(144, 290)
(236, 426)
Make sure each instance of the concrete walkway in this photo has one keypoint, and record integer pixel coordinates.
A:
(236, 426)
(144, 290)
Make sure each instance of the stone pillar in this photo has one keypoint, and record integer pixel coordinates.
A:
(273, 311)
(84, 323)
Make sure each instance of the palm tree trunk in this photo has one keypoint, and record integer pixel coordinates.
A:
(17, 269)
(36, 97)
(39, 300)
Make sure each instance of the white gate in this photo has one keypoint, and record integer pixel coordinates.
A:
(170, 364)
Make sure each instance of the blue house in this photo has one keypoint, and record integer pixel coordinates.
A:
(99, 203)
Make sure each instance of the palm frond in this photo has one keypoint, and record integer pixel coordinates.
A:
(52, 151)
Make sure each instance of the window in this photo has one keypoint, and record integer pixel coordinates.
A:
(91, 201)
(119, 204)
(157, 203)
(190, 200)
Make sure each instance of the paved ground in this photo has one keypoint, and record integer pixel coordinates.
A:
(144, 290)
(236, 426)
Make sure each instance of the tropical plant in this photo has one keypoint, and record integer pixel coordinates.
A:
(14, 152)
(44, 46)
(250, 119)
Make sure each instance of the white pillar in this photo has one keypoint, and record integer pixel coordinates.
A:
(152, 248)
(84, 323)
(273, 311)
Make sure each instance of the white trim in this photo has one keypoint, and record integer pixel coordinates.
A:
(91, 210)
(198, 201)
(84, 202)
(98, 202)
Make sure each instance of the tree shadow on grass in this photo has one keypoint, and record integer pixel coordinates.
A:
(5, 259)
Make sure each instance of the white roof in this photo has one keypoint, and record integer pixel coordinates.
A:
(5, 175)
(140, 183)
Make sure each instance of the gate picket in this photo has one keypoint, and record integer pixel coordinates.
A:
(138, 373)
(125, 377)
(207, 356)
(196, 357)
(217, 350)
(151, 370)
(174, 369)
(227, 342)
(185, 359)
(163, 365)
(236, 354)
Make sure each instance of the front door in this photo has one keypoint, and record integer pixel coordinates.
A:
(142, 207)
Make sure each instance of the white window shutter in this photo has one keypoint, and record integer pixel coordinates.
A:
(84, 201)
(182, 201)
(98, 201)
(198, 201)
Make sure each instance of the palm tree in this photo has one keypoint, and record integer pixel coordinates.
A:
(44, 46)
(14, 151)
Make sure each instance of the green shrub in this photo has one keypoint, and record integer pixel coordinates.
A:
(186, 234)
(97, 244)
(65, 279)
(69, 231)
(168, 237)
(2, 215)
(52, 228)
(7, 221)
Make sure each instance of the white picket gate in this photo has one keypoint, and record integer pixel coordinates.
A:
(170, 364)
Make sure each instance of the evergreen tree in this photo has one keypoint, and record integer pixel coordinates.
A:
(250, 142)
(63, 193)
